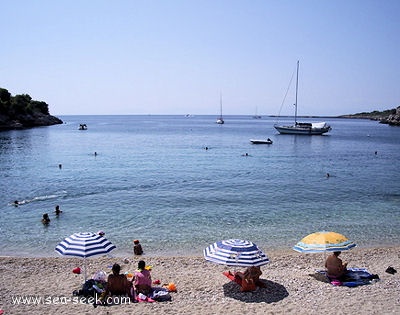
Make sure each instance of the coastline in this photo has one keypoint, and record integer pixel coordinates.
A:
(292, 285)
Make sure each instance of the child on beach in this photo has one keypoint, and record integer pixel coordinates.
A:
(137, 248)
(142, 280)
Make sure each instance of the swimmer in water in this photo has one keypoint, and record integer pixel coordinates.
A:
(57, 211)
(45, 219)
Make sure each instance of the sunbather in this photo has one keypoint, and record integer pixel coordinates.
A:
(335, 266)
(249, 279)
(117, 284)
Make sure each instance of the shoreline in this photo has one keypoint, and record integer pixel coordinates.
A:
(292, 287)
(177, 254)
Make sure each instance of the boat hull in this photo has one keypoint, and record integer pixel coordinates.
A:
(300, 130)
(257, 141)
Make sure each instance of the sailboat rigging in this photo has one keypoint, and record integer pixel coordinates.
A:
(220, 120)
(302, 128)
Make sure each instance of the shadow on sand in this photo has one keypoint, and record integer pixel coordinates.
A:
(271, 292)
(319, 277)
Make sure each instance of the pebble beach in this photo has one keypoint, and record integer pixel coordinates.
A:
(292, 285)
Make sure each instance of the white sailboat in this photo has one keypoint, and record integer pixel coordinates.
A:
(220, 120)
(302, 128)
(256, 116)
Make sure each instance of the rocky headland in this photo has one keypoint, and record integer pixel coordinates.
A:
(20, 112)
(390, 116)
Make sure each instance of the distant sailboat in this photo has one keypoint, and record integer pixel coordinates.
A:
(301, 128)
(256, 116)
(220, 120)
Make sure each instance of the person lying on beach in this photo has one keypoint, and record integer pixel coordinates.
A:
(335, 267)
(249, 278)
(142, 279)
(117, 284)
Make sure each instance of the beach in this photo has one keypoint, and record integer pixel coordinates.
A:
(292, 285)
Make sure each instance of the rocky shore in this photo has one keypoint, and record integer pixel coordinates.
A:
(28, 121)
(390, 117)
(21, 111)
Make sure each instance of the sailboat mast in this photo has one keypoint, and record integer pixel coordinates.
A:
(297, 86)
(220, 104)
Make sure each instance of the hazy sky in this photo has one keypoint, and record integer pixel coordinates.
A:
(176, 57)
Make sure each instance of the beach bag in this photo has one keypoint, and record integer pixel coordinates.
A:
(88, 289)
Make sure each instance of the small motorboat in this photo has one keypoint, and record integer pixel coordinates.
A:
(261, 141)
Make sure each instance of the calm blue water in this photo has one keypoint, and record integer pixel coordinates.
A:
(153, 180)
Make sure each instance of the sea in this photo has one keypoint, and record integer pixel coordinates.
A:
(179, 183)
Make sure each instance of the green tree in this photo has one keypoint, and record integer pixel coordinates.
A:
(5, 96)
(40, 106)
(19, 103)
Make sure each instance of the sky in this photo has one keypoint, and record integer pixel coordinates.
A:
(173, 57)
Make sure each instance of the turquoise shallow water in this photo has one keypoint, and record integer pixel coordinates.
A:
(153, 180)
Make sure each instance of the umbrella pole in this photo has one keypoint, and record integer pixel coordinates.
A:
(237, 261)
(85, 269)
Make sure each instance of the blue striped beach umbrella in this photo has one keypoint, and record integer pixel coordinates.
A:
(324, 241)
(235, 252)
(84, 245)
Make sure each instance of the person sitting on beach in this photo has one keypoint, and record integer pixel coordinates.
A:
(249, 278)
(335, 267)
(142, 279)
(57, 211)
(45, 219)
(137, 248)
(117, 284)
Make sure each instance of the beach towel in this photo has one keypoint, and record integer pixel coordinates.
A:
(231, 277)
(354, 277)
(143, 298)
(161, 295)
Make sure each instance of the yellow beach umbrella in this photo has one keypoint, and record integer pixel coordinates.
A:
(324, 241)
